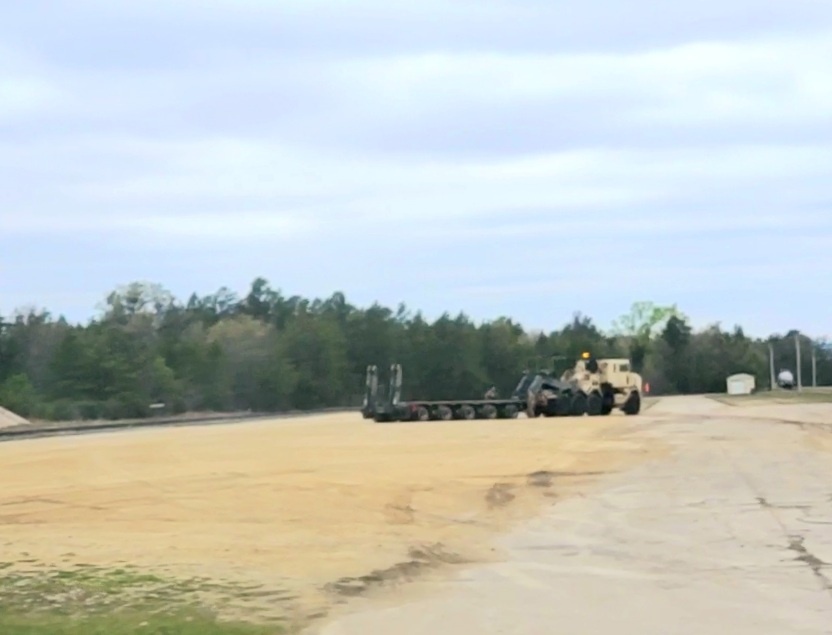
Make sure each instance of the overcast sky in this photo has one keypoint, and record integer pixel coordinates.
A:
(529, 158)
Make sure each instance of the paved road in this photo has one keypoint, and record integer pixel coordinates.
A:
(729, 535)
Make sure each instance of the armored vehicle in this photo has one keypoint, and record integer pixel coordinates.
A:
(592, 387)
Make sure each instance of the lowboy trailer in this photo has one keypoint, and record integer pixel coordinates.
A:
(389, 407)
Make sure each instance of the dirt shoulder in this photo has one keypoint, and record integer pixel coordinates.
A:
(305, 514)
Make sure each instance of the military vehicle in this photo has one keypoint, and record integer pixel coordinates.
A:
(592, 387)
(598, 386)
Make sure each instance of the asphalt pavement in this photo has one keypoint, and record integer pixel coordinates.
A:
(730, 534)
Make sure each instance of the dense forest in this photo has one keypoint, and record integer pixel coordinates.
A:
(266, 352)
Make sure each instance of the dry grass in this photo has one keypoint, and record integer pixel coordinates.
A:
(807, 395)
(302, 512)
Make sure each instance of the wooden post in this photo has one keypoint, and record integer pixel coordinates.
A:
(814, 368)
(797, 354)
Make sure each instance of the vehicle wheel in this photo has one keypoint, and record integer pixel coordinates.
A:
(633, 404)
(594, 404)
(563, 405)
(510, 412)
(422, 414)
(467, 412)
(489, 411)
(609, 403)
(444, 413)
(578, 405)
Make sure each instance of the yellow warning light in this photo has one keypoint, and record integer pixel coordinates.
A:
(585, 355)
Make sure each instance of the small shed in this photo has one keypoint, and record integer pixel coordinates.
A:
(741, 384)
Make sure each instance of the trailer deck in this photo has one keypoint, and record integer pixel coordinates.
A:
(391, 408)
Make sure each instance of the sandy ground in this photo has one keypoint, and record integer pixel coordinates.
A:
(297, 506)
(730, 532)
(695, 517)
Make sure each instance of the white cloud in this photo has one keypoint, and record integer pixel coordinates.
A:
(271, 226)
(217, 190)
(559, 190)
(473, 143)
(20, 97)
(765, 80)
(194, 228)
(27, 89)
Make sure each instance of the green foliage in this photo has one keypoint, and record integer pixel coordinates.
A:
(90, 601)
(263, 351)
(125, 624)
(18, 395)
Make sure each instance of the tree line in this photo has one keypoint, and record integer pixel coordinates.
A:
(266, 352)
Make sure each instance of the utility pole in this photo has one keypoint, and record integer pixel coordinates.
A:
(771, 365)
(797, 353)
(814, 367)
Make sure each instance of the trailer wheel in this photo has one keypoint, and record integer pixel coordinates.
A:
(467, 412)
(445, 413)
(510, 412)
(489, 411)
(553, 407)
(422, 414)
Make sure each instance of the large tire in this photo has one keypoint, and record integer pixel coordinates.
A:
(633, 404)
(578, 405)
(422, 414)
(444, 413)
(594, 404)
(489, 411)
(609, 403)
(563, 405)
(467, 412)
(510, 412)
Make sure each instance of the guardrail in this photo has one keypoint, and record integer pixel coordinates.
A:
(32, 431)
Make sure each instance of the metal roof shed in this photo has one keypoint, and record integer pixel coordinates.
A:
(741, 384)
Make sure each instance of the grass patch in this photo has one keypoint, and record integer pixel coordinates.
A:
(86, 600)
(807, 395)
(183, 623)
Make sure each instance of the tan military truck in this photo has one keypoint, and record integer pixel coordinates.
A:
(605, 384)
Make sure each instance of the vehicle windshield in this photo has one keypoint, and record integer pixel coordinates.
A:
(523, 385)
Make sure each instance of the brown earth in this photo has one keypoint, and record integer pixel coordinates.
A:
(309, 510)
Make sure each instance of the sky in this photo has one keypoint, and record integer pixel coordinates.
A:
(530, 158)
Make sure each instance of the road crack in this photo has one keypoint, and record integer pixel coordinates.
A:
(811, 560)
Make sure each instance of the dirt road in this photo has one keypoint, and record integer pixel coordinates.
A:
(729, 533)
(695, 517)
(307, 512)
